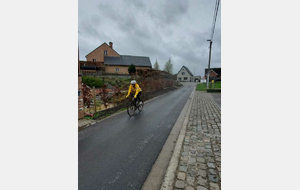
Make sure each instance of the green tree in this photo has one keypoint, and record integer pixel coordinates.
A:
(156, 65)
(131, 69)
(169, 66)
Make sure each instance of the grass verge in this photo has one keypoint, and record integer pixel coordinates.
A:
(202, 86)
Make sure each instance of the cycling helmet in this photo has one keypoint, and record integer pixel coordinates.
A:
(133, 82)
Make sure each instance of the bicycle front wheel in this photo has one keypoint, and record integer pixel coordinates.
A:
(131, 109)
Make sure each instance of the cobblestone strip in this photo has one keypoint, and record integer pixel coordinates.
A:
(200, 163)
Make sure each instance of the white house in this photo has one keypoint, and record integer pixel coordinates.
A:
(185, 75)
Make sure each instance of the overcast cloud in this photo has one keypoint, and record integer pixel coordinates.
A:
(158, 29)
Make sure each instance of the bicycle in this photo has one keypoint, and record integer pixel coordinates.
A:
(131, 107)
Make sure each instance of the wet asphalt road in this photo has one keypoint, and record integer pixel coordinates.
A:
(118, 152)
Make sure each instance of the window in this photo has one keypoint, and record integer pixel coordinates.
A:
(180, 78)
(183, 73)
(185, 78)
(117, 69)
(105, 52)
(94, 60)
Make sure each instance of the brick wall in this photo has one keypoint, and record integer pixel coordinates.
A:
(80, 99)
(98, 54)
(212, 74)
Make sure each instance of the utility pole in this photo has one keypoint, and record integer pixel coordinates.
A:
(207, 78)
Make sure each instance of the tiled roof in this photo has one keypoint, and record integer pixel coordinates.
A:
(126, 60)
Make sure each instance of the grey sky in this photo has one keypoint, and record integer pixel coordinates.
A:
(158, 29)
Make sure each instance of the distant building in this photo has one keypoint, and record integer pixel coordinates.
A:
(197, 79)
(185, 75)
(106, 57)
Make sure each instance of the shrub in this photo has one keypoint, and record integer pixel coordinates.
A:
(91, 81)
(96, 115)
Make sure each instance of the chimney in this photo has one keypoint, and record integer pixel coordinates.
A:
(111, 45)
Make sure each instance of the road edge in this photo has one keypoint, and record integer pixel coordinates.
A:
(163, 171)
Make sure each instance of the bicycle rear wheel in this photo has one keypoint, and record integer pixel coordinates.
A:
(141, 106)
(131, 109)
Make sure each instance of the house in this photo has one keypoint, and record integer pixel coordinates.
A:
(185, 75)
(214, 74)
(106, 57)
(98, 54)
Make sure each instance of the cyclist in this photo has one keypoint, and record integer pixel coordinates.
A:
(135, 88)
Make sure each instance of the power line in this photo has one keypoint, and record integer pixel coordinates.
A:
(214, 19)
(211, 30)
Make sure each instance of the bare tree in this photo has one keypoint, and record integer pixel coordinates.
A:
(156, 65)
(169, 66)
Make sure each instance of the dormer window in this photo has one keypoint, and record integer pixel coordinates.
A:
(105, 52)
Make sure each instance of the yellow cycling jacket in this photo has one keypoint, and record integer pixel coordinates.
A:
(136, 88)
